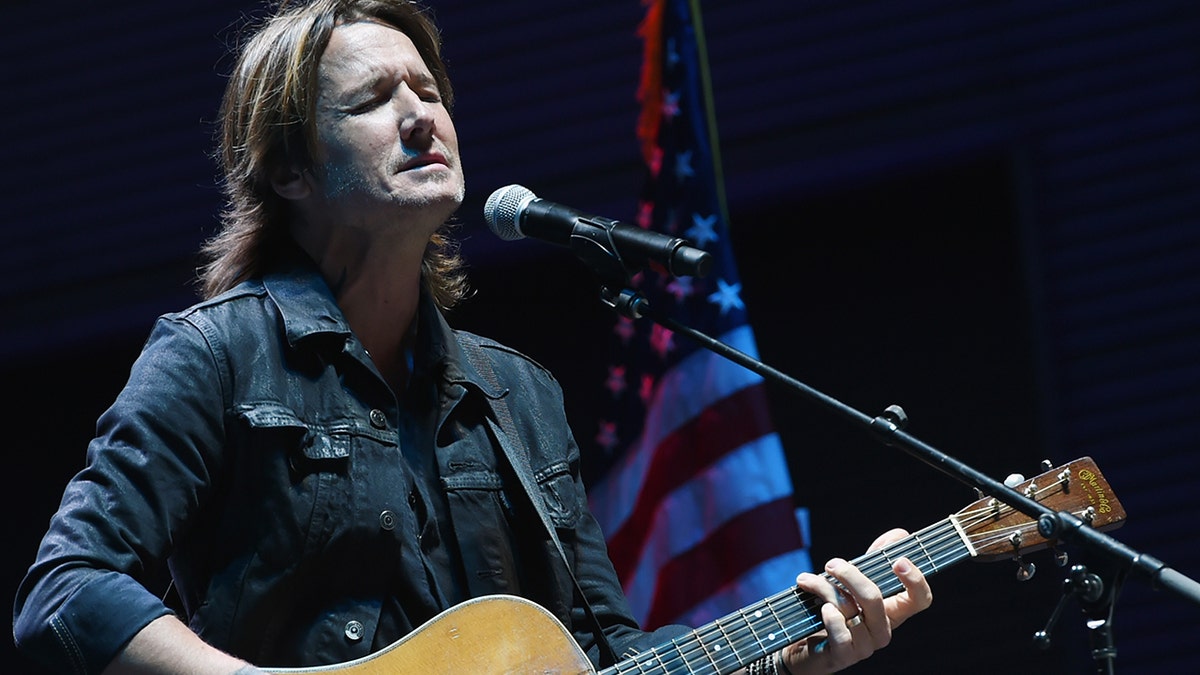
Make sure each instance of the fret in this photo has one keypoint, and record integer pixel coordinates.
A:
(708, 653)
(928, 557)
(691, 664)
(783, 626)
(719, 649)
(955, 547)
(641, 663)
(749, 621)
(884, 554)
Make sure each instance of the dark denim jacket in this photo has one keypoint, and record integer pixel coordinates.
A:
(255, 452)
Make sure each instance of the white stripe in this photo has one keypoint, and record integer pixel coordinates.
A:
(774, 575)
(767, 579)
(752, 475)
(685, 391)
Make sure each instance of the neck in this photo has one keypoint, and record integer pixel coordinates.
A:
(377, 284)
(382, 313)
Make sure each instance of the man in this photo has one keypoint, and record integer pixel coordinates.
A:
(318, 459)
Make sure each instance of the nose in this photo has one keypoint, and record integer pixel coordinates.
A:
(418, 117)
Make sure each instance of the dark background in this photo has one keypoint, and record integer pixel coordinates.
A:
(984, 212)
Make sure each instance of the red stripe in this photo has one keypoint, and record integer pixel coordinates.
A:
(650, 86)
(750, 539)
(719, 428)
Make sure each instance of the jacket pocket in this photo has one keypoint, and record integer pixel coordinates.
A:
(301, 471)
(307, 448)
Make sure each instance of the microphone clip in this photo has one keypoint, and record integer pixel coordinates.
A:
(591, 241)
(625, 302)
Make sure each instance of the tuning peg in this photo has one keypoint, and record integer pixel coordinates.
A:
(1060, 557)
(1014, 479)
(1025, 570)
(1047, 465)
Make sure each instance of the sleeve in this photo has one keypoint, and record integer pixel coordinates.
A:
(600, 584)
(88, 591)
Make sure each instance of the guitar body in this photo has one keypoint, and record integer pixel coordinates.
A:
(492, 634)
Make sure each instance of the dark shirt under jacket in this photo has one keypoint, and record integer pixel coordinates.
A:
(256, 451)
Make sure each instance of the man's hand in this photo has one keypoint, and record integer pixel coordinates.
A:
(858, 619)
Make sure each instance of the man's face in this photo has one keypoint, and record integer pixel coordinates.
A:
(386, 145)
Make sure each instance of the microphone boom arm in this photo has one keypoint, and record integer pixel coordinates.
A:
(888, 429)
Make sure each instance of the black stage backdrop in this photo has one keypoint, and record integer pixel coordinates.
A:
(985, 212)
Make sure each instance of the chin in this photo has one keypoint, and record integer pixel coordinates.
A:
(444, 201)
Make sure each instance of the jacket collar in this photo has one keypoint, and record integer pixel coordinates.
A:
(444, 350)
(306, 304)
(309, 310)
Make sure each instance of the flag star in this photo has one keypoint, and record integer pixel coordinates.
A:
(671, 225)
(703, 230)
(616, 380)
(607, 436)
(645, 215)
(647, 389)
(656, 161)
(670, 105)
(727, 296)
(683, 165)
(672, 52)
(660, 341)
(624, 329)
(680, 288)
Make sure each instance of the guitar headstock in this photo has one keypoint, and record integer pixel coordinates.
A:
(995, 530)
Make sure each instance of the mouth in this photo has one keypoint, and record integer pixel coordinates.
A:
(424, 160)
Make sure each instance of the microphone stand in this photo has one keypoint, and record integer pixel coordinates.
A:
(1096, 596)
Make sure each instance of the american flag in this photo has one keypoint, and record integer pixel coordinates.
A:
(693, 490)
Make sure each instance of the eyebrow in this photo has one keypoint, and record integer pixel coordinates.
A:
(371, 81)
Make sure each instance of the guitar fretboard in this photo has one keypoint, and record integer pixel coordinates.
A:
(767, 626)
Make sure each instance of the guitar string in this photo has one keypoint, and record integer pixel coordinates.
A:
(802, 614)
(792, 614)
(796, 619)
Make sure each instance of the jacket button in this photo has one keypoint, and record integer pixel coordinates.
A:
(378, 419)
(354, 631)
(387, 520)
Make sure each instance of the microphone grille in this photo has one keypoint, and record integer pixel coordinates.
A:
(503, 211)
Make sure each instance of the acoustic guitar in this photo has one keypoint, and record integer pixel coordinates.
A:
(506, 634)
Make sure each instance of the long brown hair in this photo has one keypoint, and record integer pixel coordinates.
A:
(267, 124)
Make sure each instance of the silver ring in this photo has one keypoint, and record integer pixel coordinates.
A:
(854, 621)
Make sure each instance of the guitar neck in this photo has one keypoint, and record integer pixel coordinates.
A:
(767, 626)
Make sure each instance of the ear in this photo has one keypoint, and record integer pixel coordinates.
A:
(291, 182)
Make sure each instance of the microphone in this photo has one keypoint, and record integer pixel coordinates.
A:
(514, 212)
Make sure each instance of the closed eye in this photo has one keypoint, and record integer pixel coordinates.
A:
(368, 105)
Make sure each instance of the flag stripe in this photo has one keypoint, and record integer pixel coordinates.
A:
(691, 448)
(742, 480)
(682, 394)
(763, 580)
(708, 566)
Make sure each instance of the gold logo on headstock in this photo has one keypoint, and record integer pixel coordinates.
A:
(1096, 494)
